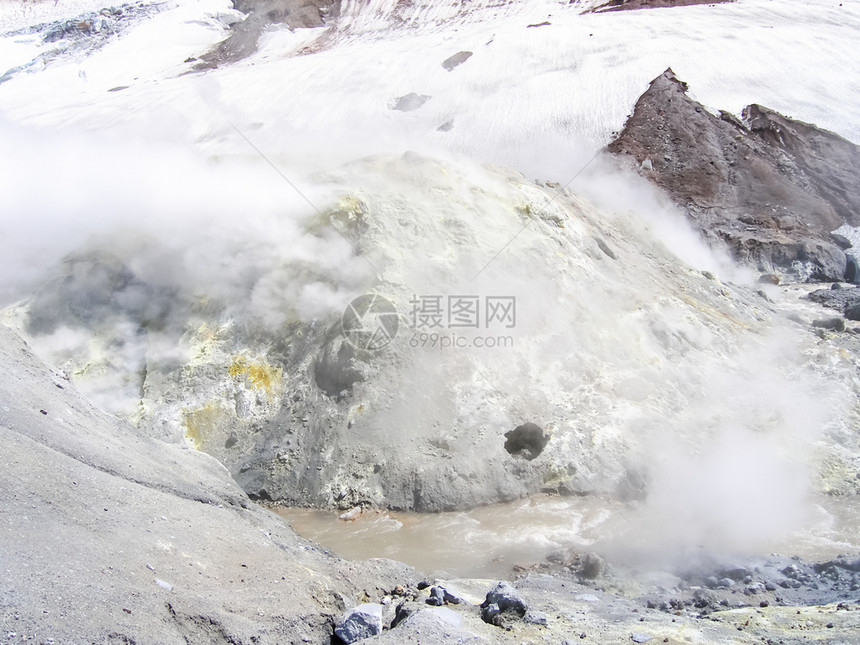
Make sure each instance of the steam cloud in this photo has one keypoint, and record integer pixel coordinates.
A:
(727, 471)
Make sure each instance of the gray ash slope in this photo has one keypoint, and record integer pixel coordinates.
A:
(109, 536)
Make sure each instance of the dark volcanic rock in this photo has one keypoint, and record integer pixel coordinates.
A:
(769, 187)
(624, 5)
(409, 102)
(359, 623)
(437, 597)
(501, 601)
(456, 60)
(244, 35)
(840, 299)
(834, 324)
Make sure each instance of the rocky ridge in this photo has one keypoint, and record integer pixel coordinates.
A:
(768, 187)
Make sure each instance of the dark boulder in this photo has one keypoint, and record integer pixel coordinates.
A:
(245, 34)
(501, 602)
(833, 324)
(359, 623)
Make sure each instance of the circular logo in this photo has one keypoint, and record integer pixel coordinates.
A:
(370, 322)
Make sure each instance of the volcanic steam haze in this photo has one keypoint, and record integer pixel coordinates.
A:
(149, 235)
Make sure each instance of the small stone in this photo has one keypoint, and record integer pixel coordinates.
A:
(457, 59)
(360, 622)
(452, 597)
(490, 614)
(502, 600)
(351, 514)
(835, 324)
(437, 597)
(507, 599)
(409, 102)
(641, 638)
(763, 603)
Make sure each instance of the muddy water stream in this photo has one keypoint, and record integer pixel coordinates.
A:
(489, 541)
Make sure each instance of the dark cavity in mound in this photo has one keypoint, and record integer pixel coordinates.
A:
(526, 441)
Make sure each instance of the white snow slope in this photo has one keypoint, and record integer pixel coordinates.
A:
(537, 98)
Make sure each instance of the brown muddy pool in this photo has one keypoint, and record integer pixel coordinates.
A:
(490, 541)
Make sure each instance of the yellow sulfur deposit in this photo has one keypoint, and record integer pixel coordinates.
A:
(259, 374)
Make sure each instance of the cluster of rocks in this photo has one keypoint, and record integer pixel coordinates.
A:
(502, 607)
(260, 14)
(104, 21)
(777, 581)
(82, 34)
(707, 587)
(845, 300)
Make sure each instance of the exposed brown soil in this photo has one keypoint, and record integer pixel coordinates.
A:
(626, 5)
(770, 187)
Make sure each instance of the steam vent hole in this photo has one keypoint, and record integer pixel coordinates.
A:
(526, 441)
